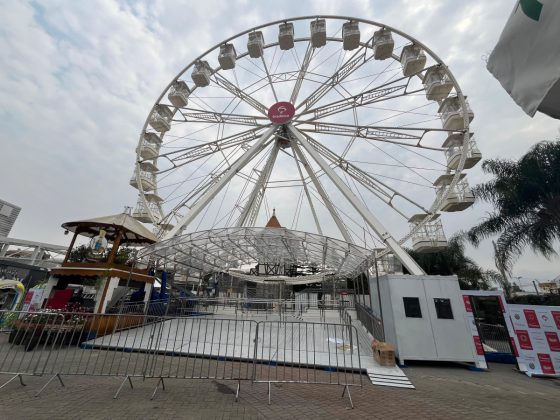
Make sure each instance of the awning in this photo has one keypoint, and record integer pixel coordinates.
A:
(134, 231)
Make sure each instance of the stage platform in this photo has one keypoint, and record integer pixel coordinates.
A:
(311, 339)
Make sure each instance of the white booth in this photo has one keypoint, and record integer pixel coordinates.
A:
(424, 317)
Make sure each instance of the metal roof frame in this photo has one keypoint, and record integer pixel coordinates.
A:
(219, 250)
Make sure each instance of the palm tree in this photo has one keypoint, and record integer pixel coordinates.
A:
(452, 260)
(526, 197)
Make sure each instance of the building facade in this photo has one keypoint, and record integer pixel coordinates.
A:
(8, 215)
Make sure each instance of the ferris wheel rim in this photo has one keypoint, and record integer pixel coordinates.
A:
(436, 205)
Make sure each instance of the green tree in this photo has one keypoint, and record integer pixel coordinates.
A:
(526, 199)
(452, 260)
(124, 255)
(79, 254)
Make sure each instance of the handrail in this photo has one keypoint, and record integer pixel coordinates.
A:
(371, 322)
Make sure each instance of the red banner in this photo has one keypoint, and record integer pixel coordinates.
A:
(478, 345)
(546, 363)
(531, 317)
(28, 297)
(467, 301)
(556, 316)
(553, 341)
(524, 340)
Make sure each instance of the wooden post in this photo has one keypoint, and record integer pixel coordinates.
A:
(69, 250)
(116, 244)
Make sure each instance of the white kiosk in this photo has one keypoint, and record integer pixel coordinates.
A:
(424, 317)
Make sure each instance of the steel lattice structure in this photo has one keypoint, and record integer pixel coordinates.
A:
(349, 127)
(232, 248)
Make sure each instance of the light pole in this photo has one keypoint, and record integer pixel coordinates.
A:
(536, 288)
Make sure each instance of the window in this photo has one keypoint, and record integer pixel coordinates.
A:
(412, 307)
(443, 308)
(5, 210)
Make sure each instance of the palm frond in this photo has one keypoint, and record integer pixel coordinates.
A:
(526, 197)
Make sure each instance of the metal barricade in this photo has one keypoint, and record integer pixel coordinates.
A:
(105, 345)
(26, 342)
(204, 348)
(127, 345)
(61, 343)
(309, 353)
(495, 337)
(128, 308)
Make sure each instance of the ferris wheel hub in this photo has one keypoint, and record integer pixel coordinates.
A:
(281, 112)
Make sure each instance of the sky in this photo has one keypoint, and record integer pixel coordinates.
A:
(78, 79)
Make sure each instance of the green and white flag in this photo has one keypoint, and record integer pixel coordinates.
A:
(526, 59)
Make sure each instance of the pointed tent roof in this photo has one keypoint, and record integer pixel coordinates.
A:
(134, 231)
(273, 221)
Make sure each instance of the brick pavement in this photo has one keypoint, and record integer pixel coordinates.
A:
(443, 392)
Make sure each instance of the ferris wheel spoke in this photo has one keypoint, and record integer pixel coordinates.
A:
(202, 179)
(193, 116)
(380, 189)
(210, 193)
(378, 133)
(358, 59)
(234, 90)
(373, 221)
(371, 96)
(186, 200)
(269, 78)
(308, 195)
(303, 70)
(190, 154)
(208, 181)
(324, 196)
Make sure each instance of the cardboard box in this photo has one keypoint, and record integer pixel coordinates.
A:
(384, 353)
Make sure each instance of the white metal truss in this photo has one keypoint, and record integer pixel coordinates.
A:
(253, 203)
(357, 60)
(301, 74)
(377, 187)
(324, 196)
(308, 196)
(216, 188)
(375, 224)
(244, 247)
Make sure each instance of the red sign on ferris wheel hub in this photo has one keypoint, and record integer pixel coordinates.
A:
(281, 112)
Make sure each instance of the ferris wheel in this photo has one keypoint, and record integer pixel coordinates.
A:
(347, 127)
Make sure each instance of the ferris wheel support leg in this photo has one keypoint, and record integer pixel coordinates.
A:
(323, 194)
(216, 188)
(254, 201)
(309, 200)
(411, 265)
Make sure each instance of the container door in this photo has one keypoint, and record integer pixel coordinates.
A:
(453, 340)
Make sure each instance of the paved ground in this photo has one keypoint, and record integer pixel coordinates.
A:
(443, 392)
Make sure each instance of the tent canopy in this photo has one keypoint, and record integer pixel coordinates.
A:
(133, 231)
